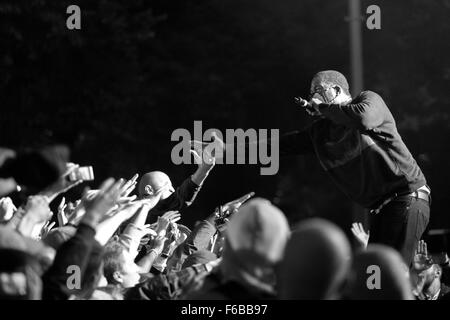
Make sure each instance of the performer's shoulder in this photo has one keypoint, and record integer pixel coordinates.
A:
(371, 97)
(370, 94)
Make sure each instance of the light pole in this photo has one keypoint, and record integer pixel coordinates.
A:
(356, 59)
(356, 75)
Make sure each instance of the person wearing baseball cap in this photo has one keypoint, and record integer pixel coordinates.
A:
(255, 240)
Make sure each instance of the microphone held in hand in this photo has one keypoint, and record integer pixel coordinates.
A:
(303, 103)
(307, 105)
(300, 101)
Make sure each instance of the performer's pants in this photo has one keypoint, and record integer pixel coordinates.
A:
(400, 224)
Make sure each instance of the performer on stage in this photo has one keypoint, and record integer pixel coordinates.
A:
(357, 143)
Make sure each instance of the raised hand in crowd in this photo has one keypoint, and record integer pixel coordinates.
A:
(361, 236)
(136, 229)
(205, 155)
(175, 238)
(221, 216)
(153, 250)
(48, 226)
(426, 276)
(74, 212)
(164, 243)
(61, 214)
(36, 213)
(165, 220)
(7, 209)
(63, 184)
(422, 260)
(104, 200)
(110, 223)
(128, 187)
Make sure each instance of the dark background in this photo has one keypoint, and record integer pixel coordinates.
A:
(116, 89)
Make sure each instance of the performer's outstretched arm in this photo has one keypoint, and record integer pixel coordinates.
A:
(290, 144)
(367, 112)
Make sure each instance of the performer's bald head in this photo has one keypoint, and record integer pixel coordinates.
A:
(330, 86)
(153, 182)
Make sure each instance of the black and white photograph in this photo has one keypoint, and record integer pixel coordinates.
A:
(227, 155)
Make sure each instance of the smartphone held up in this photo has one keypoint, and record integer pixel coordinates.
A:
(82, 173)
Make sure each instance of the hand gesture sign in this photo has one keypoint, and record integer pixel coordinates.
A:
(360, 235)
(422, 260)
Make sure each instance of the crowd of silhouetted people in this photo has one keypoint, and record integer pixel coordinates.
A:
(125, 240)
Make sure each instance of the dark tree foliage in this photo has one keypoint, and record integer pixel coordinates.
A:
(116, 89)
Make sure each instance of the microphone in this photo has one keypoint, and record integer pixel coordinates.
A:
(300, 101)
(304, 103)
